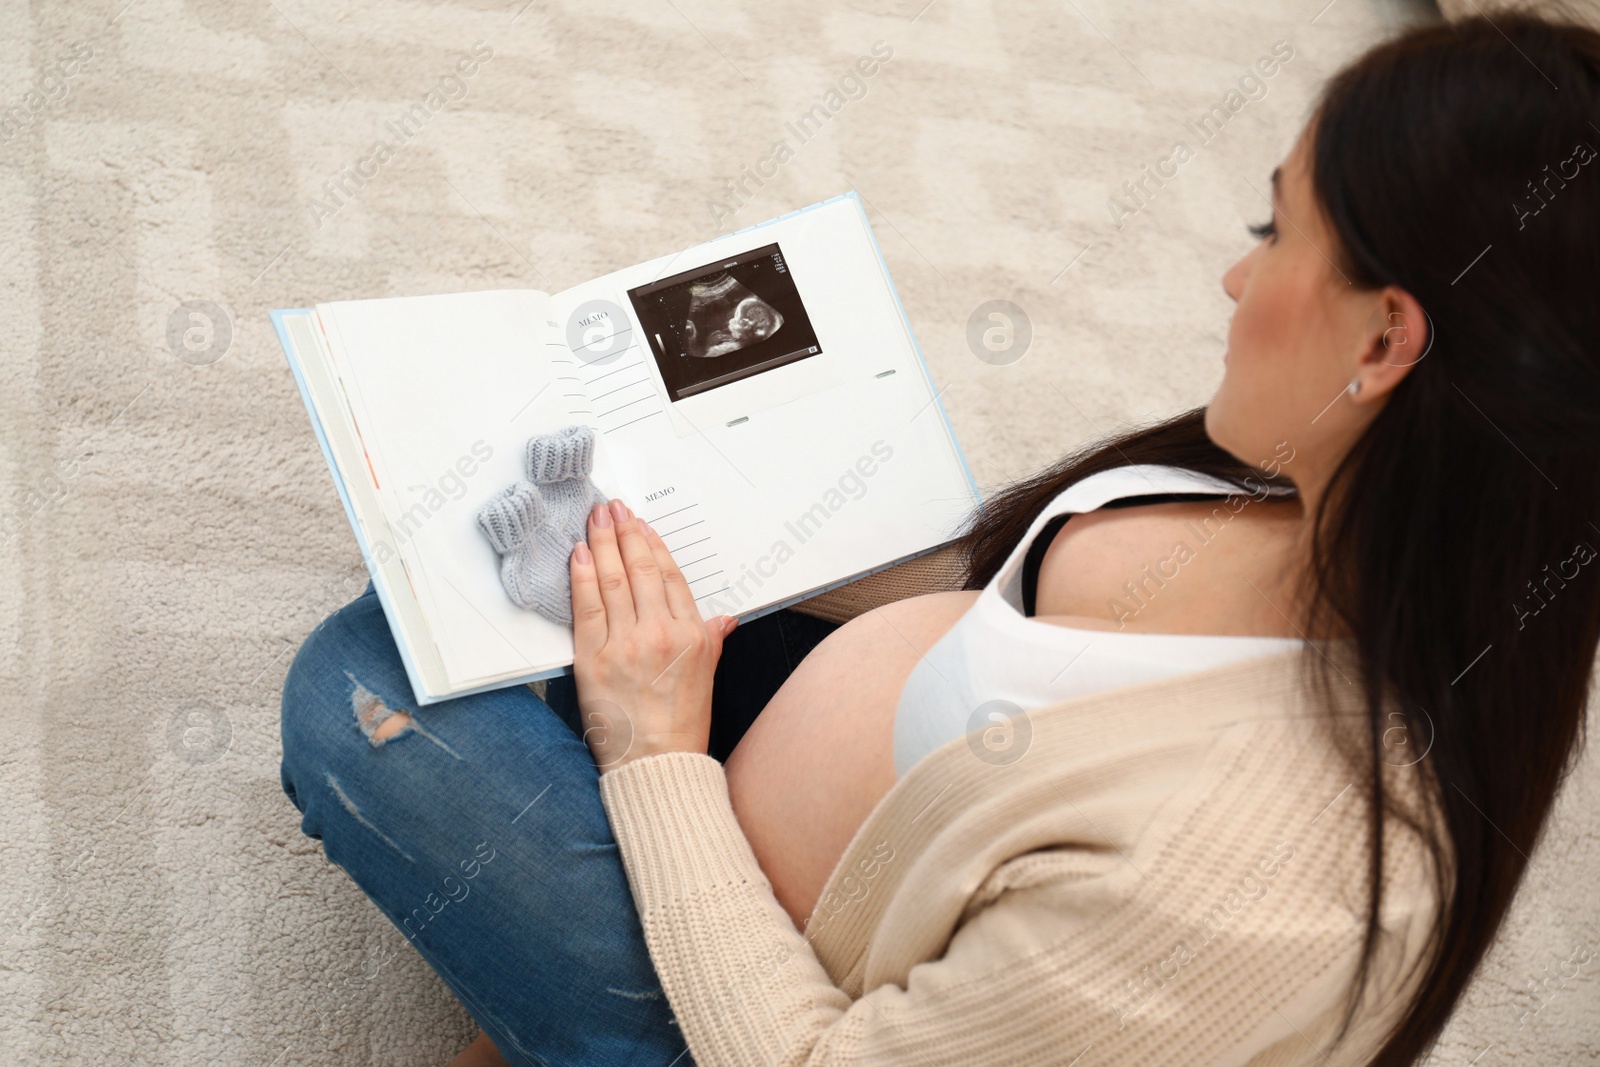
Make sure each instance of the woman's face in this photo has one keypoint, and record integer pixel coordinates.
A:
(1300, 332)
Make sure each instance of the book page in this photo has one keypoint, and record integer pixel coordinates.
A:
(309, 359)
(446, 390)
(606, 385)
(768, 379)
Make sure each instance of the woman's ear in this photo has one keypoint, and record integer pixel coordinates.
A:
(1399, 337)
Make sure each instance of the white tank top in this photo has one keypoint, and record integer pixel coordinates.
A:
(996, 662)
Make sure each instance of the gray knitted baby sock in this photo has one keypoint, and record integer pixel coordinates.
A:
(534, 523)
(510, 521)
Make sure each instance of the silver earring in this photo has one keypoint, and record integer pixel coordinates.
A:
(1354, 387)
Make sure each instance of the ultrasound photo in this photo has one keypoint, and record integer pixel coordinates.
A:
(723, 322)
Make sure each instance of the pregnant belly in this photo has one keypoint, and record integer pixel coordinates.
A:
(821, 754)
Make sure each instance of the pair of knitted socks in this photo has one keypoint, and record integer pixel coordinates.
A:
(534, 523)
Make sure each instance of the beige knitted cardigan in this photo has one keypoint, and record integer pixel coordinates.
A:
(1172, 872)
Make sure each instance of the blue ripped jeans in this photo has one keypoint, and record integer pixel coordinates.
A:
(478, 830)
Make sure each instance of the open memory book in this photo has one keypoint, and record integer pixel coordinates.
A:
(759, 399)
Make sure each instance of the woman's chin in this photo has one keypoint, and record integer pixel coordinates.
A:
(1213, 424)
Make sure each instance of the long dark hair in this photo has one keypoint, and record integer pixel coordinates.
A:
(1456, 539)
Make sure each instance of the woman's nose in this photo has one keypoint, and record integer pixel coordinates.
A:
(1233, 278)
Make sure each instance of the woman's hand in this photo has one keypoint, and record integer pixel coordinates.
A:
(643, 656)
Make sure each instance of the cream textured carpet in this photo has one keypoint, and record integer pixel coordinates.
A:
(170, 170)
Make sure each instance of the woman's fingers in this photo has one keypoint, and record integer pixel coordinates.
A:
(644, 573)
(679, 600)
(631, 648)
(610, 574)
(588, 610)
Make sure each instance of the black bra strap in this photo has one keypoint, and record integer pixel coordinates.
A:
(1041, 543)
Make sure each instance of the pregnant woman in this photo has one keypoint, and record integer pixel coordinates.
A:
(1232, 750)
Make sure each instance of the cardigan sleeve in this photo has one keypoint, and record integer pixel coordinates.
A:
(744, 984)
(1017, 985)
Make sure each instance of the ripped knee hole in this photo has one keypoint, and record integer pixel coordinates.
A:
(391, 726)
(377, 720)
